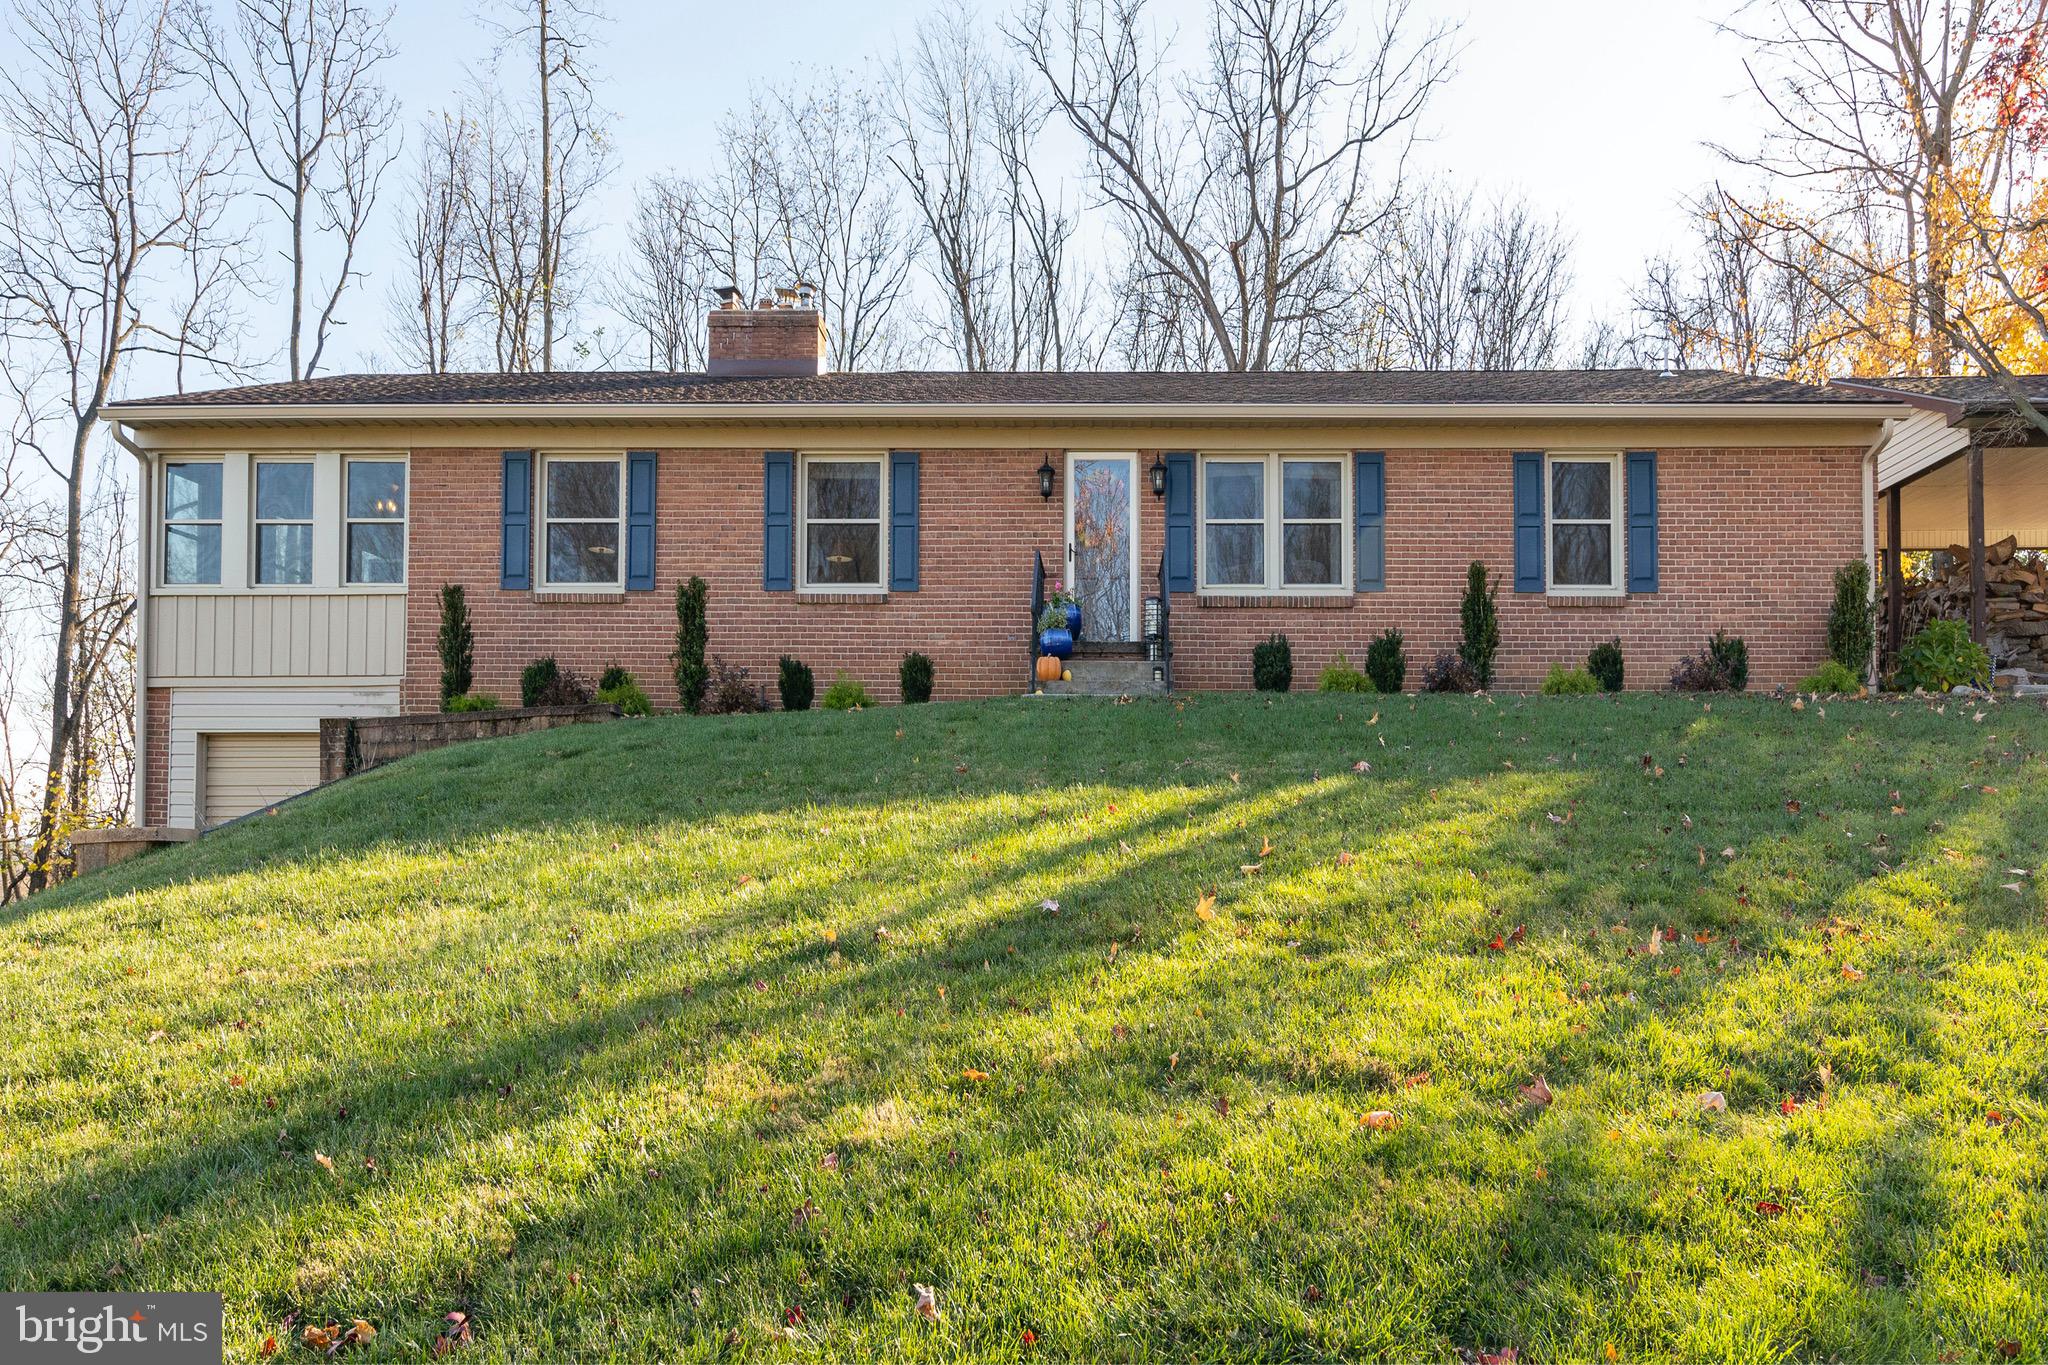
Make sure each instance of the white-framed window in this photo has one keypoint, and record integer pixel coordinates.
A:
(283, 521)
(1582, 523)
(845, 502)
(583, 516)
(191, 507)
(373, 532)
(1275, 523)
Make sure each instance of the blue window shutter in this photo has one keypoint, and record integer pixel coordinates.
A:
(1642, 521)
(640, 521)
(1369, 492)
(778, 521)
(903, 521)
(1528, 521)
(1180, 521)
(515, 538)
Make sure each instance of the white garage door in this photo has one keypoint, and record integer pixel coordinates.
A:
(249, 772)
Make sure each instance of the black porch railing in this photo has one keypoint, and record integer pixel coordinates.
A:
(1165, 628)
(1037, 610)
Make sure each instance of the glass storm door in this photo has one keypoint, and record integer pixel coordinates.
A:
(1102, 544)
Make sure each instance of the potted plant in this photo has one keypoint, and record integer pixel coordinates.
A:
(1054, 637)
(1056, 595)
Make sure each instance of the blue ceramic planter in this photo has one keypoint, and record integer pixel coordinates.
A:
(1074, 620)
(1056, 642)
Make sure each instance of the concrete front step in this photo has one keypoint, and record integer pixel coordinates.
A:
(1107, 677)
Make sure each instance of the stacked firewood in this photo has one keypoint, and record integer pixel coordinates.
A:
(2015, 602)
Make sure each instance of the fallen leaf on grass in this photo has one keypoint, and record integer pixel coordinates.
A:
(1852, 974)
(1506, 1355)
(1049, 905)
(268, 1348)
(1205, 908)
(1265, 848)
(927, 1302)
(455, 1332)
(970, 1074)
(1656, 945)
(1770, 1208)
(1788, 1106)
(1380, 1120)
(1714, 1102)
(1344, 858)
(326, 1161)
(1361, 766)
(1537, 1092)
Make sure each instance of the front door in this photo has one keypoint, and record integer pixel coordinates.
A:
(1102, 543)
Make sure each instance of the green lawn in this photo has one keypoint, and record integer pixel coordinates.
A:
(712, 1038)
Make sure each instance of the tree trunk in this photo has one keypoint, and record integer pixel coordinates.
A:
(60, 684)
(547, 188)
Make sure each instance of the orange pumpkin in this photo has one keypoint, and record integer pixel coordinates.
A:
(1049, 668)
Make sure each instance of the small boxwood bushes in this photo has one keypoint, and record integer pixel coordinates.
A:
(1339, 676)
(1569, 682)
(1386, 661)
(1831, 677)
(617, 687)
(794, 682)
(915, 676)
(845, 695)
(472, 701)
(1273, 664)
(1604, 663)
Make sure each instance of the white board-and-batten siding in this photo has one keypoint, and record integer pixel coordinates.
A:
(275, 635)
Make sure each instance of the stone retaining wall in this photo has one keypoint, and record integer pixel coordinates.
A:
(355, 745)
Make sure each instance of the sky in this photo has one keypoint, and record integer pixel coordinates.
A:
(1597, 110)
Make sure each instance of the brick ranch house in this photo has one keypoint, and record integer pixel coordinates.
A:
(298, 534)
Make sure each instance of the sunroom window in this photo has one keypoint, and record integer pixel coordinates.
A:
(284, 522)
(375, 533)
(191, 502)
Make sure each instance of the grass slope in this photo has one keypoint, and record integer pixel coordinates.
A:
(654, 1040)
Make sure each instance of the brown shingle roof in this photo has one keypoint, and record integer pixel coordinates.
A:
(1962, 395)
(1095, 387)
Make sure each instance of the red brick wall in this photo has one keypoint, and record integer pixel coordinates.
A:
(1749, 539)
(154, 798)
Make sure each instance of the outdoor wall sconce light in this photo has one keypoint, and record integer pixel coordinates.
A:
(1045, 473)
(1158, 476)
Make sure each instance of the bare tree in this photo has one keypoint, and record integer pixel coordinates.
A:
(1749, 296)
(839, 222)
(1474, 288)
(1241, 189)
(298, 84)
(432, 303)
(112, 176)
(665, 287)
(556, 37)
(969, 131)
(1904, 128)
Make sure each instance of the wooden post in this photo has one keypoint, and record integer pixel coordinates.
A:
(1976, 458)
(1894, 571)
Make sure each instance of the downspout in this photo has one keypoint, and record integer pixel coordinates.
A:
(1884, 437)
(139, 784)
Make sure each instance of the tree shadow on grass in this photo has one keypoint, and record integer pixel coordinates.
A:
(1178, 1268)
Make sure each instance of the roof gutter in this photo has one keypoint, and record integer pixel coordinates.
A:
(197, 413)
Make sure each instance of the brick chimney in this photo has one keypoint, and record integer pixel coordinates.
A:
(769, 339)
